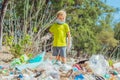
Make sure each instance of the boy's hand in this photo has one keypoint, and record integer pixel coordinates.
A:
(69, 42)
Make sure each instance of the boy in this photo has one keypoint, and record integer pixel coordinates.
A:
(60, 31)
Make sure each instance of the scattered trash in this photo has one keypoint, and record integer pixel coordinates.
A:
(36, 68)
(15, 62)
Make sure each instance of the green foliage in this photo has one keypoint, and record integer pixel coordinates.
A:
(26, 40)
(105, 33)
(117, 31)
(111, 62)
(35, 29)
(116, 52)
(107, 38)
(60, 4)
(17, 49)
(85, 40)
(8, 40)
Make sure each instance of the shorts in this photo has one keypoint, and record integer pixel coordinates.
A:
(61, 51)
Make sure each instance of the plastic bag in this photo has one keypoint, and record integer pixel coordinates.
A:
(98, 64)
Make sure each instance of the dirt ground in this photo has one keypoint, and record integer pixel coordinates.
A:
(5, 55)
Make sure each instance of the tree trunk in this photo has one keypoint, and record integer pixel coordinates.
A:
(78, 53)
(2, 14)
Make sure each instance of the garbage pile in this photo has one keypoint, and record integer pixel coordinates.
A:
(36, 68)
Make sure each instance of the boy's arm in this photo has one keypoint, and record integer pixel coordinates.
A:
(69, 39)
(51, 33)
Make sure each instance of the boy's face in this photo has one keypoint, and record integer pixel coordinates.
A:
(61, 17)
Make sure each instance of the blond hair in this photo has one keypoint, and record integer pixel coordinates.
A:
(61, 12)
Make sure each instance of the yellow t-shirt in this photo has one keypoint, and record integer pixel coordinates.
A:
(59, 32)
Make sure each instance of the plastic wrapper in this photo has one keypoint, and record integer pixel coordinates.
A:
(54, 74)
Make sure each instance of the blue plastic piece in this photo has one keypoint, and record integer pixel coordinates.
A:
(37, 58)
(11, 73)
(21, 77)
(79, 77)
(1, 67)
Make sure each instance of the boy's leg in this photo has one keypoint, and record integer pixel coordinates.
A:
(58, 60)
(63, 60)
(55, 53)
(58, 57)
(63, 54)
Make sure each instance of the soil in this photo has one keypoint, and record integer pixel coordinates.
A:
(5, 55)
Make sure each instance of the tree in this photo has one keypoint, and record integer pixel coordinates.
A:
(116, 50)
(2, 14)
(106, 34)
(85, 40)
(31, 18)
(84, 17)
